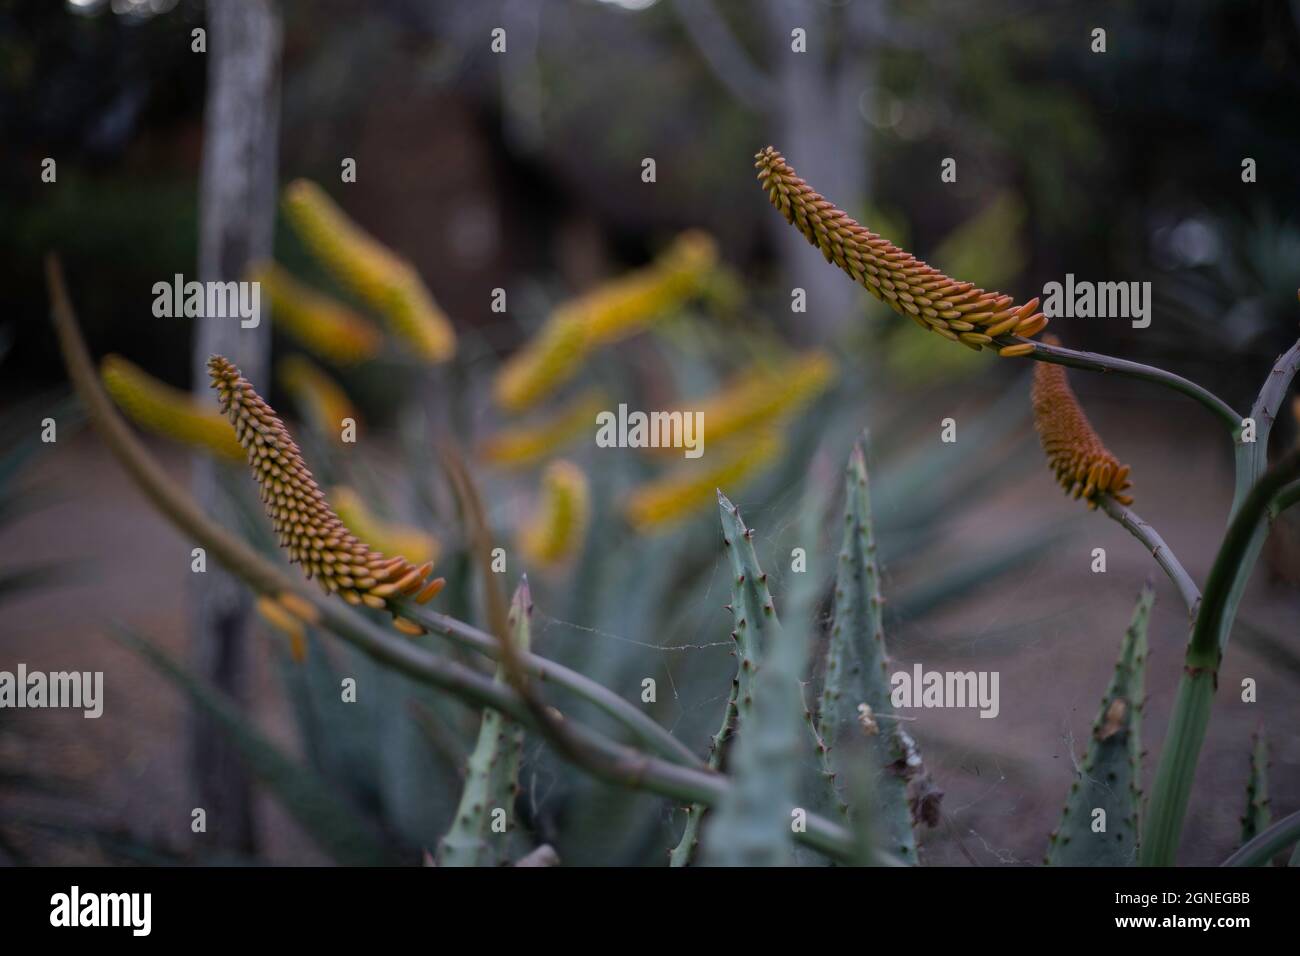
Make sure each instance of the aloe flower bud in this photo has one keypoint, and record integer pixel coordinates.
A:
(305, 524)
(956, 310)
(1081, 463)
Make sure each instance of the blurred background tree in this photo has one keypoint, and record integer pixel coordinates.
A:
(538, 151)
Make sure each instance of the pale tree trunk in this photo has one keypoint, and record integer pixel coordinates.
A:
(818, 125)
(810, 104)
(237, 196)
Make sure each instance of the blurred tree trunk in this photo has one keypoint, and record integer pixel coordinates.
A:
(817, 123)
(237, 196)
(811, 104)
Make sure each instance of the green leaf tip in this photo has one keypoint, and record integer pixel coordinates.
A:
(1100, 824)
(753, 625)
(857, 683)
(1258, 813)
(481, 831)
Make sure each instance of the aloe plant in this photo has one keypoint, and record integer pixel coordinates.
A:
(779, 766)
(979, 319)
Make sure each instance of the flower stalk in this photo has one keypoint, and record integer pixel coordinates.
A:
(1191, 713)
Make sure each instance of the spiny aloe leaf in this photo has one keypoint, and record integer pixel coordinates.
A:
(856, 698)
(479, 834)
(752, 826)
(1265, 846)
(1109, 779)
(307, 797)
(753, 618)
(1258, 815)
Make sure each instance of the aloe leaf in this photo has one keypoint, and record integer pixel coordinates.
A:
(1268, 844)
(480, 830)
(753, 619)
(856, 697)
(333, 825)
(1109, 778)
(1258, 815)
(752, 826)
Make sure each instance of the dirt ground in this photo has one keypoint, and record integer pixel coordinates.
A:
(123, 776)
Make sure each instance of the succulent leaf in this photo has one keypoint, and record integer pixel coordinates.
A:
(1110, 776)
(492, 777)
(857, 715)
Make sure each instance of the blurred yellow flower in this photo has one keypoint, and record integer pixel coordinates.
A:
(765, 394)
(317, 395)
(557, 529)
(627, 305)
(385, 281)
(550, 358)
(609, 313)
(164, 410)
(693, 484)
(322, 324)
(524, 444)
(389, 537)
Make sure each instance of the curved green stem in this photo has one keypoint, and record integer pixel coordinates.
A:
(643, 727)
(1252, 457)
(1163, 554)
(1268, 844)
(268, 578)
(1095, 362)
(1287, 497)
(1191, 714)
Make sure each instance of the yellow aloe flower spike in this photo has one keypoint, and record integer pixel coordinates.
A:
(1081, 463)
(557, 529)
(385, 281)
(609, 313)
(956, 310)
(316, 394)
(523, 445)
(690, 487)
(764, 395)
(622, 307)
(305, 524)
(318, 322)
(388, 536)
(164, 410)
(551, 358)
